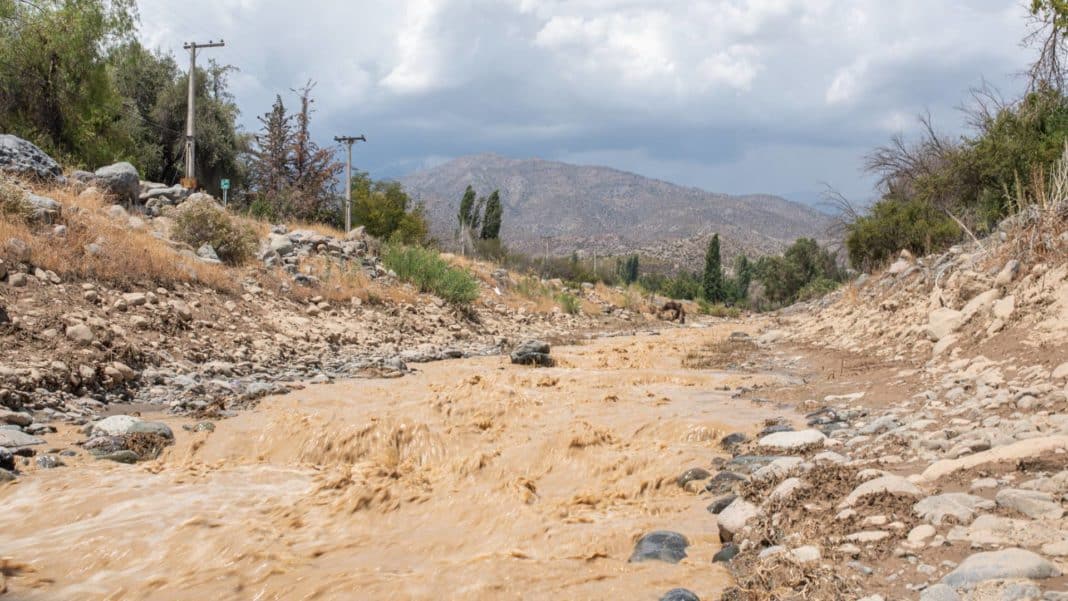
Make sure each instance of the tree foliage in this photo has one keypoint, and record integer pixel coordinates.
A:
(804, 263)
(628, 269)
(385, 210)
(712, 278)
(491, 218)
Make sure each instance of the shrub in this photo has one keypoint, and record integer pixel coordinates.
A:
(199, 222)
(817, 288)
(13, 203)
(717, 309)
(426, 270)
(569, 303)
(893, 225)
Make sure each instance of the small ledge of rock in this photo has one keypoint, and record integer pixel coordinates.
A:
(533, 352)
(885, 485)
(1007, 563)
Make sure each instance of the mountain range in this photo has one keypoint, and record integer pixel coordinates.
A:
(589, 209)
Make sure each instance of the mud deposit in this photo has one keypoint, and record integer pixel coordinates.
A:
(468, 480)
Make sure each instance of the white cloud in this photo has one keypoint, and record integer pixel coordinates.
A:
(705, 81)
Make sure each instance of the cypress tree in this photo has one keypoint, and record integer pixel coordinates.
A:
(491, 219)
(713, 276)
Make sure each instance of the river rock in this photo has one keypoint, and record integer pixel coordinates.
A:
(660, 546)
(115, 425)
(16, 439)
(793, 441)
(1007, 563)
(533, 352)
(939, 592)
(727, 553)
(692, 474)
(1032, 503)
(732, 519)
(885, 485)
(158, 428)
(81, 334)
(960, 506)
(679, 594)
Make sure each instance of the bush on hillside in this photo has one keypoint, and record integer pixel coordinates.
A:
(893, 225)
(13, 203)
(426, 270)
(784, 277)
(198, 222)
(569, 303)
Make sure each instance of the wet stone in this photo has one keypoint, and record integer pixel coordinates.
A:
(47, 462)
(7, 459)
(694, 473)
(121, 457)
(732, 440)
(679, 594)
(727, 553)
(777, 428)
(723, 482)
(662, 545)
(717, 506)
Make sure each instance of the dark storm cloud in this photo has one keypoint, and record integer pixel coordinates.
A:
(729, 95)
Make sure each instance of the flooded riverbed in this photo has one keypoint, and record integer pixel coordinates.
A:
(470, 479)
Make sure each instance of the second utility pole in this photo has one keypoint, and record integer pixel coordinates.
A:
(349, 141)
(190, 180)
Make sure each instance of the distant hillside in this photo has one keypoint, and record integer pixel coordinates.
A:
(600, 210)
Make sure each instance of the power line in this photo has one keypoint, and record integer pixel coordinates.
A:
(190, 120)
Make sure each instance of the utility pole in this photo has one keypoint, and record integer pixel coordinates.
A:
(190, 180)
(349, 141)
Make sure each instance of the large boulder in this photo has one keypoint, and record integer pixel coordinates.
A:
(121, 180)
(1007, 563)
(23, 159)
(662, 545)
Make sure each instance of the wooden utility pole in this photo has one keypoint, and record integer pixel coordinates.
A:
(190, 180)
(348, 141)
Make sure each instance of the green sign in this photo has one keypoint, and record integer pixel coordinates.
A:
(225, 184)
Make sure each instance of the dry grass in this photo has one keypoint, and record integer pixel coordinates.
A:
(720, 354)
(98, 247)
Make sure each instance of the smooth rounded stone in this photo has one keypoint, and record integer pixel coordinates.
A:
(984, 483)
(662, 545)
(115, 425)
(939, 592)
(723, 482)
(15, 439)
(885, 485)
(15, 418)
(123, 456)
(47, 462)
(717, 506)
(775, 429)
(121, 180)
(1006, 563)
(7, 459)
(142, 427)
(868, 536)
(960, 506)
(793, 441)
(679, 594)
(749, 463)
(830, 457)
(806, 554)
(921, 533)
(692, 474)
(787, 488)
(773, 551)
(732, 440)
(80, 333)
(727, 553)
(1032, 503)
(102, 445)
(778, 469)
(732, 519)
(533, 352)
(882, 424)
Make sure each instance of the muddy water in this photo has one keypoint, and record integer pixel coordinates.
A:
(468, 480)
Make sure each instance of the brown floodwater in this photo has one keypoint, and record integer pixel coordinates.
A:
(470, 479)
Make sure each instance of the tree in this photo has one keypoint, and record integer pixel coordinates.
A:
(743, 275)
(385, 210)
(314, 169)
(491, 219)
(713, 275)
(54, 83)
(629, 269)
(271, 170)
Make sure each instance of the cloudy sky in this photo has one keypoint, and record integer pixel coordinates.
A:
(734, 96)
